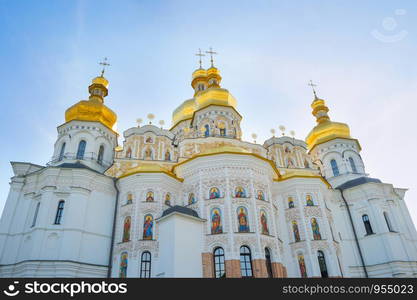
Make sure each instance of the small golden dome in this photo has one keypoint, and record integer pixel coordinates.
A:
(101, 80)
(93, 110)
(326, 129)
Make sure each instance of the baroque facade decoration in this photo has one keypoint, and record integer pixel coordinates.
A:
(196, 200)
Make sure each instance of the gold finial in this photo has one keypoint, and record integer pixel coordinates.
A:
(139, 121)
(200, 55)
(313, 86)
(104, 63)
(162, 123)
(292, 132)
(273, 132)
(211, 52)
(282, 128)
(151, 117)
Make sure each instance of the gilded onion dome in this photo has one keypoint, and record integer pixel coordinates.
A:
(326, 129)
(93, 109)
(207, 91)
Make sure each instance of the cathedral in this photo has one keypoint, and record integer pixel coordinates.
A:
(197, 201)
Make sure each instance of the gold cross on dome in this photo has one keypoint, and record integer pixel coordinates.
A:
(211, 52)
(313, 86)
(104, 63)
(200, 55)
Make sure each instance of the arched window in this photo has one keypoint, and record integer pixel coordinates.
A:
(335, 168)
(315, 228)
(59, 212)
(367, 224)
(322, 264)
(245, 262)
(81, 149)
(268, 262)
(352, 165)
(123, 265)
(148, 227)
(216, 221)
(35, 216)
(62, 152)
(218, 257)
(129, 153)
(100, 155)
(145, 265)
(126, 229)
(387, 221)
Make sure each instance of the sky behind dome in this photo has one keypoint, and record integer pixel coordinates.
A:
(362, 56)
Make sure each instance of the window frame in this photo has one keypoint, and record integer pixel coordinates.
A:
(59, 212)
(246, 260)
(219, 264)
(145, 265)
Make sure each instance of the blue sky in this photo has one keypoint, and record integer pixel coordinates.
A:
(361, 55)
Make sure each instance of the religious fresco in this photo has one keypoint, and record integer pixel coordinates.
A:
(148, 228)
(167, 155)
(243, 221)
(295, 231)
(290, 202)
(149, 140)
(240, 192)
(264, 223)
(129, 153)
(149, 196)
(129, 199)
(168, 199)
(309, 201)
(214, 193)
(126, 229)
(216, 221)
(260, 195)
(123, 265)
(191, 198)
(148, 153)
(302, 265)
(315, 228)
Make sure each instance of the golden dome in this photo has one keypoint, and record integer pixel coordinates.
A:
(325, 130)
(101, 80)
(93, 110)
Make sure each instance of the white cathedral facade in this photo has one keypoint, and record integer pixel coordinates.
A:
(198, 201)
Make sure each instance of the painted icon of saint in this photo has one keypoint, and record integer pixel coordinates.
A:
(309, 201)
(149, 196)
(243, 220)
(264, 223)
(302, 265)
(295, 231)
(216, 226)
(191, 198)
(147, 227)
(260, 195)
(315, 228)
(214, 193)
(123, 265)
(240, 192)
(126, 230)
